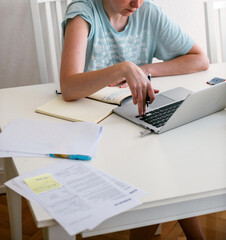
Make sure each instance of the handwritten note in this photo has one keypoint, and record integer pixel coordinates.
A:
(42, 183)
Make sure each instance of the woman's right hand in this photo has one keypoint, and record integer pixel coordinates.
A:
(139, 85)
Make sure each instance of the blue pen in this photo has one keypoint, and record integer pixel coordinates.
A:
(147, 98)
(72, 157)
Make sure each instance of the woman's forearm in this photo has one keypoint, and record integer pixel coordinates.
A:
(194, 61)
(81, 85)
(189, 63)
(84, 84)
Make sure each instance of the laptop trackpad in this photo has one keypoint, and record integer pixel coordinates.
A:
(160, 100)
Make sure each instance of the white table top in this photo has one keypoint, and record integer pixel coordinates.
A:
(180, 165)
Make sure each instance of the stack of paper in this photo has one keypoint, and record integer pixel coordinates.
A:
(76, 195)
(27, 137)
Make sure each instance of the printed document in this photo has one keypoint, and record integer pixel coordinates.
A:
(76, 195)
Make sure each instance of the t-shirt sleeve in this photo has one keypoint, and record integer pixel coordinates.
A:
(82, 8)
(172, 42)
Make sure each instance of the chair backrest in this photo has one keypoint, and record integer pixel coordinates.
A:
(215, 13)
(47, 16)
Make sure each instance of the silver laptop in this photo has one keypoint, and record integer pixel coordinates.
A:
(176, 107)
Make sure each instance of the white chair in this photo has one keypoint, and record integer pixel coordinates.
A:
(215, 14)
(47, 16)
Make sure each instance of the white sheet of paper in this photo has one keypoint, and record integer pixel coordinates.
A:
(19, 154)
(45, 137)
(87, 196)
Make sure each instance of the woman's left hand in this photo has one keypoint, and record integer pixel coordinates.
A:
(120, 82)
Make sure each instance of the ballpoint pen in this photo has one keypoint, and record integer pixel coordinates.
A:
(72, 157)
(148, 98)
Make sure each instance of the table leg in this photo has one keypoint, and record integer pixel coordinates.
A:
(15, 216)
(159, 230)
(13, 202)
(56, 232)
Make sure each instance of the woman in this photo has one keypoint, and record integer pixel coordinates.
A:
(111, 42)
(115, 40)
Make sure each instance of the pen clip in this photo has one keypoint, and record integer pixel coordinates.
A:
(149, 77)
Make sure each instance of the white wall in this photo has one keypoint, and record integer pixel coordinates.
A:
(189, 14)
(18, 60)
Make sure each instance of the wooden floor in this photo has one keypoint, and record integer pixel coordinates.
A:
(214, 227)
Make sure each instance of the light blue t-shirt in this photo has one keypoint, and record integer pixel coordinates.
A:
(149, 33)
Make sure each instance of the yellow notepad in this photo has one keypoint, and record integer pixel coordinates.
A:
(85, 109)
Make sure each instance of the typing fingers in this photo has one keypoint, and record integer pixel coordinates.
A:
(134, 95)
(142, 94)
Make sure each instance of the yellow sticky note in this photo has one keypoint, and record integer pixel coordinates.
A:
(42, 183)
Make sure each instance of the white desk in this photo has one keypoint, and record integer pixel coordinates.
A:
(182, 170)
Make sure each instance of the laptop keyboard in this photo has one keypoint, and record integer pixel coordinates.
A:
(160, 116)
